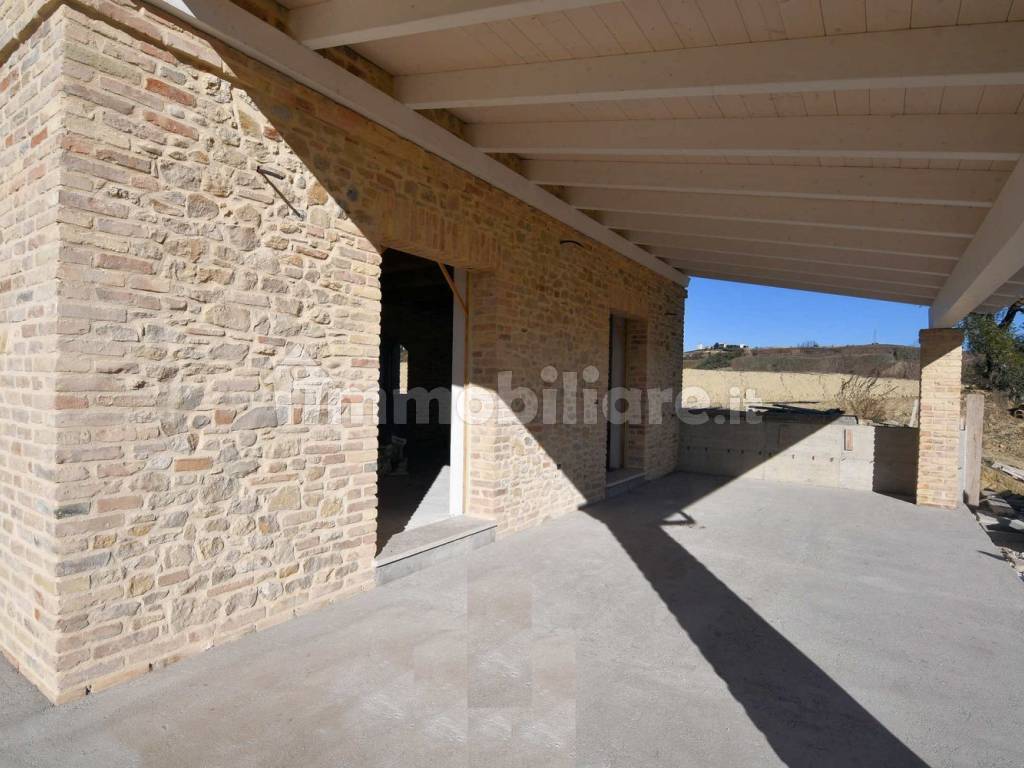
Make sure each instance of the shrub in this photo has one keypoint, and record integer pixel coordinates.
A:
(719, 360)
(865, 397)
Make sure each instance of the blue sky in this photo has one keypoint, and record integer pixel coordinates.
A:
(738, 313)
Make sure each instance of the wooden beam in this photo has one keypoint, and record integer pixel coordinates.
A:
(993, 257)
(454, 288)
(787, 281)
(851, 272)
(878, 241)
(241, 30)
(804, 281)
(903, 185)
(943, 137)
(974, 427)
(893, 264)
(975, 55)
(346, 22)
(844, 213)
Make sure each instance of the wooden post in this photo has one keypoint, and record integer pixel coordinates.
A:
(974, 421)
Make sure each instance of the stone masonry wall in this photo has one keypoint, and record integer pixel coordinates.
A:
(938, 476)
(206, 485)
(30, 135)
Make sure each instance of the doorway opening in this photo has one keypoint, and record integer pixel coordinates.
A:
(420, 350)
(626, 431)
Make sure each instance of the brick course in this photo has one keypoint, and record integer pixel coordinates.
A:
(181, 503)
(938, 474)
(30, 506)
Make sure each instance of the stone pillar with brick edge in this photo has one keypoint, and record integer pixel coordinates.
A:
(938, 475)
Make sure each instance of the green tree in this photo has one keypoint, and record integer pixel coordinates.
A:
(719, 360)
(999, 347)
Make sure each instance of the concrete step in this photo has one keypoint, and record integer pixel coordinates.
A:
(418, 548)
(622, 481)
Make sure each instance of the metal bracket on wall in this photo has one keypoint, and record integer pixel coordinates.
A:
(267, 175)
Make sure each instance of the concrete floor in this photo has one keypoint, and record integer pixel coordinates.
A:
(784, 625)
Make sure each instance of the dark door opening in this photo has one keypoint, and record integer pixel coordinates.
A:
(414, 435)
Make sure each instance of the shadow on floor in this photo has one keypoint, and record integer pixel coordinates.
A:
(410, 500)
(807, 718)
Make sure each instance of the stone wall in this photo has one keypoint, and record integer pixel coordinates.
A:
(206, 484)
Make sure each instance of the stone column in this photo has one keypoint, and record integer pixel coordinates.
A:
(938, 476)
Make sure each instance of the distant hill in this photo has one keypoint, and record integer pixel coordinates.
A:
(890, 360)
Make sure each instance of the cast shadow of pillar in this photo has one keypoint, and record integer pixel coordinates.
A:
(806, 716)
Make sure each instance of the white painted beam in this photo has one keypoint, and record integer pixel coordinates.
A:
(841, 213)
(910, 282)
(767, 231)
(993, 257)
(894, 265)
(904, 185)
(982, 54)
(942, 137)
(346, 22)
(777, 280)
(244, 32)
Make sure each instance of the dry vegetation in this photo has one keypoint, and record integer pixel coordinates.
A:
(869, 398)
(1003, 441)
(881, 360)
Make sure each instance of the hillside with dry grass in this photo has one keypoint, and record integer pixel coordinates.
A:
(869, 360)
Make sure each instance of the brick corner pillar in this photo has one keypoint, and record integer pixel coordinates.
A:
(938, 475)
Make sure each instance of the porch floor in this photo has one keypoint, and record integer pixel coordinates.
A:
(694, 622)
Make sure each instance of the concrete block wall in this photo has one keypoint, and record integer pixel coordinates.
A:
(831, 455)
(184, 504)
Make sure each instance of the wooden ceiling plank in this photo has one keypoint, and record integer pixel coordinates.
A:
(983, 11)
(888, 262)
(888, 14)
(978, 55)
(347, 22)
(882, 185)
(934, 13)
(853, 239)
(945, 137)
(843, 213)
(810, 269)
(843, 17)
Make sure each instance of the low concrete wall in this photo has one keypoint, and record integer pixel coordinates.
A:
(830, 454)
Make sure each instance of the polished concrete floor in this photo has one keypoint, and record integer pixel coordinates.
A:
(695, 622)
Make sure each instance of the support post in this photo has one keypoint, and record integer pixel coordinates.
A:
(938, 475)
(974, 421)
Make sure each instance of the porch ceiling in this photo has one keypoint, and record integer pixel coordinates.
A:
(864, 148)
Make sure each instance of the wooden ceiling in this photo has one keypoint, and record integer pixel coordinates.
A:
(847, 146)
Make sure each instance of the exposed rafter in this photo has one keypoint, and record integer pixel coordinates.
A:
(945, 137)
(345, 22)
(780, 232)
(793, 281)
(801, 254)
(984, 54)
(937, 187)
(243, 31)
(842, 213)
(851, 271)
(995, 255)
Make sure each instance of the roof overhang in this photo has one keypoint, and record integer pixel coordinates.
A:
(872, 154)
